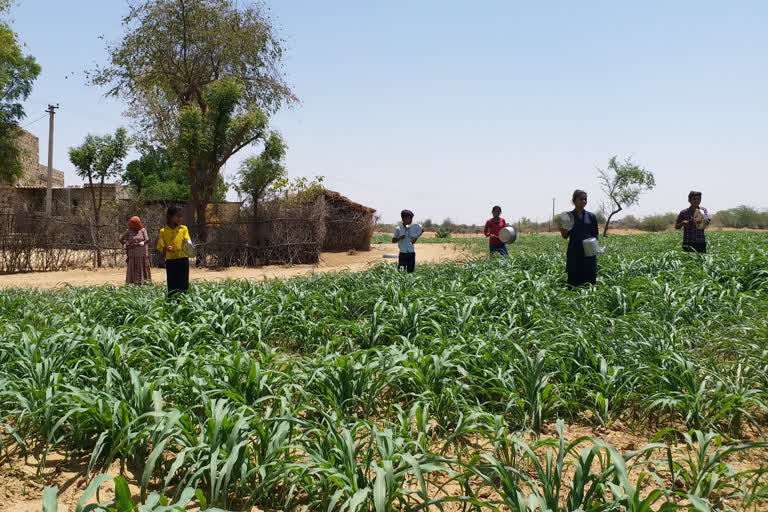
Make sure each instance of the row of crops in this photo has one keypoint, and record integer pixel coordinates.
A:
(383, 391)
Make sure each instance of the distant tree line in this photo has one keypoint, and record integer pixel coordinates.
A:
(741, 217)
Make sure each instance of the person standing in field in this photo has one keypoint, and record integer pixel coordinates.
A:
(135, 238)
(581, 269)
(169, 243)
(492, 228)
(405, 240)
(693, 237)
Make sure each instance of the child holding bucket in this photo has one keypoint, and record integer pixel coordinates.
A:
(581, 269)
(693, 235)
(492, 228)
(405, 236)
(170, 242)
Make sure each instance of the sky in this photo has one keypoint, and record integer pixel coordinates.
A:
(448, 108)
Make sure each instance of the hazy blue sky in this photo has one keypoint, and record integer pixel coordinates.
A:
(449, 107)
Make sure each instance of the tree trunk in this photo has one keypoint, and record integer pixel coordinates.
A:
(97, 220)
(608, 220)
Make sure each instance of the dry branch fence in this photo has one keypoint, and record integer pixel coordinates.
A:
(281, 232)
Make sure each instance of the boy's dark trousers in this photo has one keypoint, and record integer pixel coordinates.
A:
(695, 247)
(407, 261)
(177, 272)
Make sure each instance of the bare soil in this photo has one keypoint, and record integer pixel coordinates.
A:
(353, 261)
(21, 486)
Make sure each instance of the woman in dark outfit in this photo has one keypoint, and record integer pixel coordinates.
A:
(581, 269)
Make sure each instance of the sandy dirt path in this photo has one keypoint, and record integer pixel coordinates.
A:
(329, 262)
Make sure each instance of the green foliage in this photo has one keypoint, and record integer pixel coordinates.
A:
(100, 157)
(298, 190)
(442, 233)
(17, 74)
(203, 87)
(210, 135)
(741, 217)
(155, 177)
(193, 45)
(384, 391)
(258, 174)
(124, 501)
(622, 183)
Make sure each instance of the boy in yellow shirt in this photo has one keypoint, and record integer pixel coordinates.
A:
(170, 243)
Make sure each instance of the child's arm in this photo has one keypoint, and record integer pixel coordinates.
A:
(595, 227)
(680, 221)
(161, 244)
(396, 238)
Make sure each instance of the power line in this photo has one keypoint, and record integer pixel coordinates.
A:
(36, 120)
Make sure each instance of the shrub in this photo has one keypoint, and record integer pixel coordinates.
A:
(442, 233)
(658, 222)
(741, 217)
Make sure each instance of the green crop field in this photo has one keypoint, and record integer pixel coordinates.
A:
(448, 388)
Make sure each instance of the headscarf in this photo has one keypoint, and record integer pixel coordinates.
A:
(135, 223)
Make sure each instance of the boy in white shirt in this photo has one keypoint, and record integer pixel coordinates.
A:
(405, 240)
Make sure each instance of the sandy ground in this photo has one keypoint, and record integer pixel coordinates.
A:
(21, 486)
(329, 262)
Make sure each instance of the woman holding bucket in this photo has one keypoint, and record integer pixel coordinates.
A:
(582, 269)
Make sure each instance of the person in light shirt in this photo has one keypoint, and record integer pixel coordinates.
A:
(492, 228)
(169, 243)
(405, 236)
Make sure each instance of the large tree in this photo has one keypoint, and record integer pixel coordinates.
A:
(98, 159)
(198, 70)
(17, 73)
(623, 182)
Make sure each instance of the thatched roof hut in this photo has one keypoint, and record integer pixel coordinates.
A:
(348, 225)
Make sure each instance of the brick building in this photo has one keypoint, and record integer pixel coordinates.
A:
(35, 173)
(29, 193)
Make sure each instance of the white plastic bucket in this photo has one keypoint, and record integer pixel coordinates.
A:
(591, 247)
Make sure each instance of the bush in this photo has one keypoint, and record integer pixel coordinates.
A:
(442, 233)
(628, 222)
(656, 223)
(741, 217)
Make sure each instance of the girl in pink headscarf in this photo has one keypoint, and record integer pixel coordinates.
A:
(136, 239)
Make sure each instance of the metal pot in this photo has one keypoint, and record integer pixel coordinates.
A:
(507, 234)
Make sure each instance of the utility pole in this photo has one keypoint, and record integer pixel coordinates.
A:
(553, 214)
(49, 192)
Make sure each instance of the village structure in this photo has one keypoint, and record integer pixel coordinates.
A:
(28, 195)
(282, 232)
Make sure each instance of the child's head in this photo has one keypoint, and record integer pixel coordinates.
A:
(579, 198)
(694, 197)
(406, 216)
(496, 211)
(174, 216)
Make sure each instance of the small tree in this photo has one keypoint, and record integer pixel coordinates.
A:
(98, 159)
(623, 182)
(258, 173)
